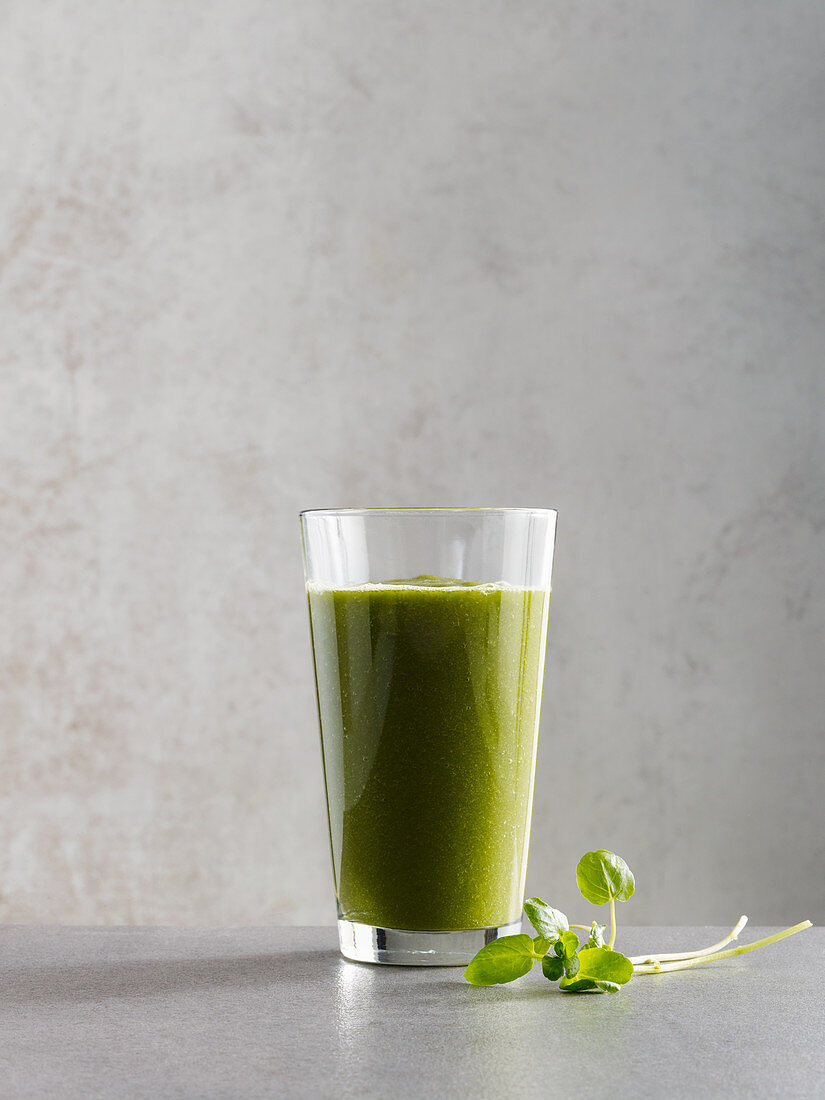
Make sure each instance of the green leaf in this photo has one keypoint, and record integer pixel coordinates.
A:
(541, 945)
(602, 875)
(587, 985)
(603, 965)
(552, 967)
(571, 966)
(596, 937)
(567, 945)
(567, 950)
(501, 961)
(577, 985)
(548, 922)
(600, 971)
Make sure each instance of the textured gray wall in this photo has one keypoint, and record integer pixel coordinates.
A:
(258, 256)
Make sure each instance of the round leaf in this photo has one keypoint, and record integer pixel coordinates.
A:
(600, 964)
(601, 875)
(552, 967)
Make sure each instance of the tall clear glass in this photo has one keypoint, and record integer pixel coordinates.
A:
(428, 633)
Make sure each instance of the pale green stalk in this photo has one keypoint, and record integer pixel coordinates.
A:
(612, 939)
(679, 955)
(685, 963)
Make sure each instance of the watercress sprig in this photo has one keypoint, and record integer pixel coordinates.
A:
(603, 878)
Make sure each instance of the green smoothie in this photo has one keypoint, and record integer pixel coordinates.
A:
(429, 692)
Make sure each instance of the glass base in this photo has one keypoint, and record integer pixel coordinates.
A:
(401, 947)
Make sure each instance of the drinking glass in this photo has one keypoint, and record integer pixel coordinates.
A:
(428, 631)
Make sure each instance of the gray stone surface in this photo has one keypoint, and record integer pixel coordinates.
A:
(257, 256)
(275, 1012)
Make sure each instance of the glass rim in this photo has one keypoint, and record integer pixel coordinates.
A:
(424, 511)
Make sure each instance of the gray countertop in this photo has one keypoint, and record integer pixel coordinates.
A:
(258, 1012)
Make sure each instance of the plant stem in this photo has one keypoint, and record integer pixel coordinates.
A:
(612, 939)
(685, 963)
(680, 955)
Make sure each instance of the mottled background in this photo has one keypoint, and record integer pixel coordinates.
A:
(259, 256)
